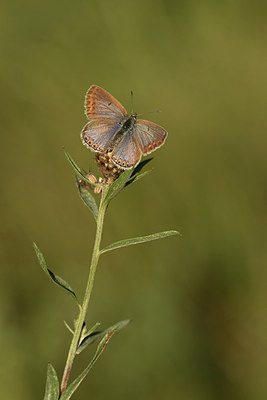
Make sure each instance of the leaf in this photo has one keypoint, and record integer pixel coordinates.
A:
(52, 385)
(55, 278)
(68, 327)
(140, 166)
(94, 327)
(136, 177)
(86, 333)
(77, 169)
(117, 185)
(101, 347)
(89, 339)
(92, 336)
(87, 198)
(140, 239)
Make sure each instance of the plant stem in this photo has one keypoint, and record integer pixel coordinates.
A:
(88, 291)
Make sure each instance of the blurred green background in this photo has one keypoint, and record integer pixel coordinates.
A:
(199, 302)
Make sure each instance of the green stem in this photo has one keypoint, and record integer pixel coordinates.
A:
(88, 291)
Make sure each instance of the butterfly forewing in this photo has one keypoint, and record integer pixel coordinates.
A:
(127, 153)
(97, 135)
(99, 104)
(149, 136)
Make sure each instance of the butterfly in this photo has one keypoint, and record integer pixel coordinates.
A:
(112, 130)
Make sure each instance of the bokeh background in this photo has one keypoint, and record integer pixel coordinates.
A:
(198, 302)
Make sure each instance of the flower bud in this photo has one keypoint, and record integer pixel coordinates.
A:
(97, 189)
(91, 177)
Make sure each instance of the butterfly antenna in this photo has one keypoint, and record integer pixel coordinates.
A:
(132, 101)
(149, 112)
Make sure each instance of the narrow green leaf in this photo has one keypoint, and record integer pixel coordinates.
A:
(141, 239)
(136, 177)
(55, 278)
(118, 185)
(88, 199)
(94, 328)
(85, 334)
(92, 336)
(127, 177)
(77, 169)
(74, 385)
(89, 339)
(140, 166)
(52, 385)
(68, 327)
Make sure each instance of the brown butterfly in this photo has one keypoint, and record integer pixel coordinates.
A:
(112, 129)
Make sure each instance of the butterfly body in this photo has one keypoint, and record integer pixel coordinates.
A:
(112, 130)
(126, 125)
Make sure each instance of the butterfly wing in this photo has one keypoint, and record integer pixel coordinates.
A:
(127, 153)
(144, 137)
(149, 136)
(98, 134)
(99, 104)
(106, 117)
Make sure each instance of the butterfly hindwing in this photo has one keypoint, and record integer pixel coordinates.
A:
(99, 104)
(97, 135)
(127, 153)
(149, 136)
